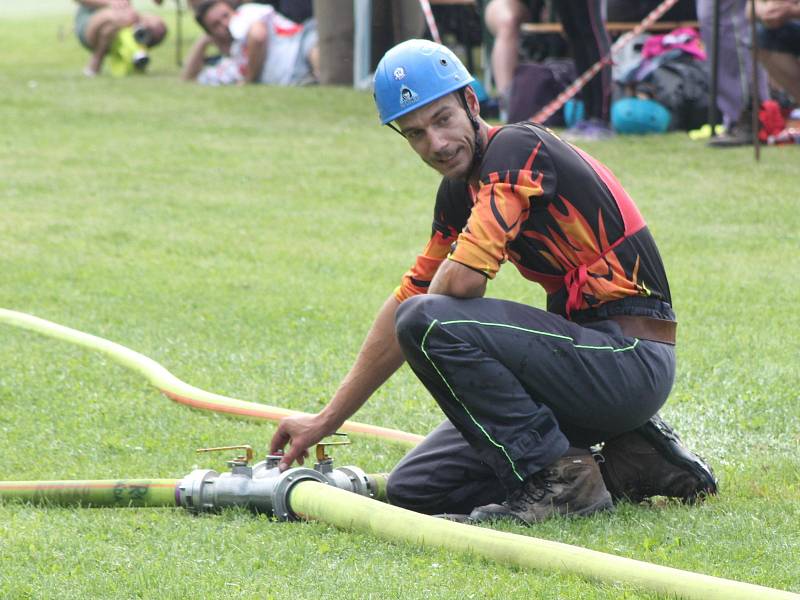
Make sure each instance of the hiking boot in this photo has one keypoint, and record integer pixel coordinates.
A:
(732, 139)
(739, 134)
(570, 486)
(651, 461)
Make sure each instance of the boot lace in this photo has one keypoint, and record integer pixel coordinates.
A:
(535, 489)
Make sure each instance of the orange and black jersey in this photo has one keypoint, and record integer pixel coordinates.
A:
(560, 216)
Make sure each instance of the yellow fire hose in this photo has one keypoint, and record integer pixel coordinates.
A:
(178, 390)
(317, 501)
(93, 492)
(349, 511)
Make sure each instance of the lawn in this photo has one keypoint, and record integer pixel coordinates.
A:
(244, 238)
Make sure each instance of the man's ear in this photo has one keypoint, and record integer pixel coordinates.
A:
(472, 101)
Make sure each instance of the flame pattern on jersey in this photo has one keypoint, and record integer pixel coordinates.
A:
(418, 278)
(591, 267)
(559, 215)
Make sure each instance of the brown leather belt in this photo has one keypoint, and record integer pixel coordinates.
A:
(647, 328)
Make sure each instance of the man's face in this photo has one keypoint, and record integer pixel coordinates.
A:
(441, 133)
(217, 20)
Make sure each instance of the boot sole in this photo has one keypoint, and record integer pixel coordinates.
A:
(606, 504)
(669, 445)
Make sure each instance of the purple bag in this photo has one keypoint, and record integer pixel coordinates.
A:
(536, 84)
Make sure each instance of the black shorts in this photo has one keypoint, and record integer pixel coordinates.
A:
(781, 39)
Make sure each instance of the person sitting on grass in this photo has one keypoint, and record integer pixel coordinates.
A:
(258, 45)
(98, 22)
(526, 392)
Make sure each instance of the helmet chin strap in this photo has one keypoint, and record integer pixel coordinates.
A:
(477, 156)
(392, 126)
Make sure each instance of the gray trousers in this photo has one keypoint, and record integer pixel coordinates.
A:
(518, 386)
(734, 75)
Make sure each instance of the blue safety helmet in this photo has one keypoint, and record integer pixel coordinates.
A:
(413, 74)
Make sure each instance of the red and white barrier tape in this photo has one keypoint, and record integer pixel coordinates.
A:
(550, 109)
(425, 5)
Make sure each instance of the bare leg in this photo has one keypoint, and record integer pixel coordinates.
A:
(100, 31)
(503, 18)
(784, 68)
(105, 35)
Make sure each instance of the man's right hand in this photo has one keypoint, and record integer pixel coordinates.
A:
(300, 432)
(379, 357)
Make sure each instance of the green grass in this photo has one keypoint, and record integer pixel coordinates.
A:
(244, 238)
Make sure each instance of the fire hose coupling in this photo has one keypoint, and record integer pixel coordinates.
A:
(288, 479)
(262, 488)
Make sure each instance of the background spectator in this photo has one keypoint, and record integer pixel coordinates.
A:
(97, 23)
(214, 19)
(259, 46)
(734, 72)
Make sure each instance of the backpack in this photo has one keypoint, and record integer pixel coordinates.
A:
(536, 84)
(681, 85)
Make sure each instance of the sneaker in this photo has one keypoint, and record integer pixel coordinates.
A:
(572, 486)
(588, 130)
(652, 461)
(140, 60)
